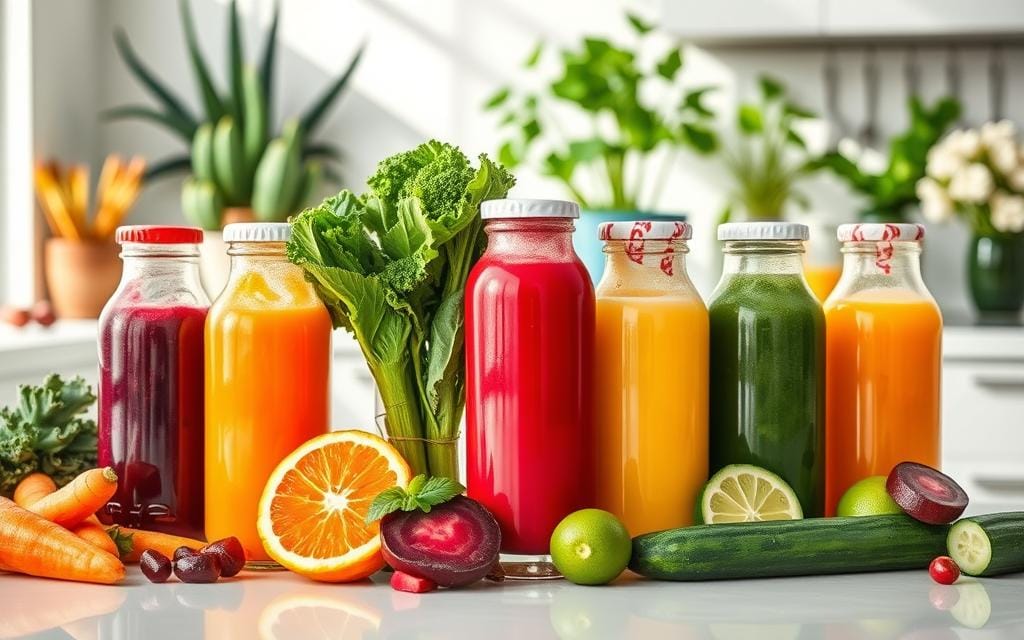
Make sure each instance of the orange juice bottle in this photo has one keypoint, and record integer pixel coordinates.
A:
(883, 359)
(268, 353)
(651, 388)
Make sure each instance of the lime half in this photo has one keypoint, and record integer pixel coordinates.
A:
(745, 493)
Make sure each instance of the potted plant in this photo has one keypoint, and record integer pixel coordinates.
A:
(243, 166)
(80, 257)
(615, 166)
(979, 175)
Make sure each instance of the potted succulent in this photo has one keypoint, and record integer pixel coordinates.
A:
(978, 174)
(617, 166)
(243, 166)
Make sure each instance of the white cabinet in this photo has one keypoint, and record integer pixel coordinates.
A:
(983, 412)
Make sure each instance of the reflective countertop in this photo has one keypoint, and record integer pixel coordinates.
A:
(278, 605)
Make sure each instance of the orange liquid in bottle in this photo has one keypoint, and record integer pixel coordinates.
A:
(268, 350)
(884, 350)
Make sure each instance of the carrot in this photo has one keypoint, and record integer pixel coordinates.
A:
(79, 499)
(140, 540)
(33, 488)
(96, 534)
(35, 546)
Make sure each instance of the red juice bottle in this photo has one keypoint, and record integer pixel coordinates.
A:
(529, 349)
(151, 382)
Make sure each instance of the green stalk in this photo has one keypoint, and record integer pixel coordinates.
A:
(399, 392)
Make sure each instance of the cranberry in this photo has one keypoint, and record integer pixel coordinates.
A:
(155, 565)
(198, 568)
(943, 570)
(229, 553)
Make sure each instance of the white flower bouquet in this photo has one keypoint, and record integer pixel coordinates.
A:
(979, 174)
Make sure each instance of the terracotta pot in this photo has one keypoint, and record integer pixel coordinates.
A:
(81, 276)
(214, 263)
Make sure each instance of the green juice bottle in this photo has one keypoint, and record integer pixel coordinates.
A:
(767, 373)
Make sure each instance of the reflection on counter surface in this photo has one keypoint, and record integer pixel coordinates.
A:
(278, 606)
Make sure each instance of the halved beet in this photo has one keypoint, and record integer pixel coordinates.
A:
(926, 494)
(454, 545)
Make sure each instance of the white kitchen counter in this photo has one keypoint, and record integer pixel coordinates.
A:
(281, 605)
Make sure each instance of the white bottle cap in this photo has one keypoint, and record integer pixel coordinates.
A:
(528, 208)
(880, 232)
(763, 231)
(258, 232)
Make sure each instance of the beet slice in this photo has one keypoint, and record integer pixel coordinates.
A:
(926, 494)
(454, 545)
(411, 584)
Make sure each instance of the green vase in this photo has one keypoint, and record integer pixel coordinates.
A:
(995, 266)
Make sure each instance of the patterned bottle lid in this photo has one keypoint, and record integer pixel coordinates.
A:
(763, 231)
(507, 208)
(258, 232)
(880, 232)
(645, 230)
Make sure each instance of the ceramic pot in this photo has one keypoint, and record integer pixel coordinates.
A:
(81, 276)
(590, 249)
(995, 269)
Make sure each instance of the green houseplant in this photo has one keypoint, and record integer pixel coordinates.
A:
(617, 163)
(241, 163)
(768, 156)
(890, 188)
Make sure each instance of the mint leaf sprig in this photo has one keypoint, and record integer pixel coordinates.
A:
(423, 493)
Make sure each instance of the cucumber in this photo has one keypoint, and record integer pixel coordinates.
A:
(813, 546)
(988, 545)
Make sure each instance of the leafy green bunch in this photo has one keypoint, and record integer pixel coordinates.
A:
(609, 167)
(391, 266)
(890, 192)
(236, 158)
(47, 432)
(769, 157)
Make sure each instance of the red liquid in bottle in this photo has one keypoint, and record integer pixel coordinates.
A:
(151, 416)
(529, 341)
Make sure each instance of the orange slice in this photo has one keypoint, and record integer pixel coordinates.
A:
(312, 513)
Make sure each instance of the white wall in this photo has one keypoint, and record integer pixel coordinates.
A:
(430, 65)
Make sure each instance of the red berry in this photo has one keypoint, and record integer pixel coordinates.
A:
(183, 552)
(943, 570)
(155, 565)
(15, 317)
(42, 312)
(229, 553)
(404, 582)
(197, 568)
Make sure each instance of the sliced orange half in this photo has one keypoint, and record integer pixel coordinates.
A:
(312, 516)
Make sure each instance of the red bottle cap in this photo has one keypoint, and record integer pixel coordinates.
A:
(157, 234)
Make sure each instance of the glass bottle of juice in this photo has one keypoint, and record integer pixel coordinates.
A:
(529, 351)
(768, 360)
(268, 355)
(151, 382)
(884, 350)
(651, 388)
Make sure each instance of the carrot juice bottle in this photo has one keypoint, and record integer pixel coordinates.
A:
(651, 388)
(268, 353)
(884, 343)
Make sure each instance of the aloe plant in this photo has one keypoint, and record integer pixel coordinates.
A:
(235, 158)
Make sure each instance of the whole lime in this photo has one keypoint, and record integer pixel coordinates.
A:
(867, 497)
(590, 546)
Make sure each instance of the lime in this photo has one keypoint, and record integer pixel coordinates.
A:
(867, 497)
(745, 493)
(590, 546)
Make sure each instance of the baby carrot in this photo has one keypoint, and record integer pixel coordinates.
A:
(141, 540)
(32, 545)
(96, 534)
(79, 499)
(33, 488)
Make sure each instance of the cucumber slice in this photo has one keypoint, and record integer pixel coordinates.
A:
(747, 493)
(969, 547)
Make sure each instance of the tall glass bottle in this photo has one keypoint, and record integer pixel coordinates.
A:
(529, 351)
(884, 356)
(268, 355)
(651, 388)
(768, 360)
(151, 382)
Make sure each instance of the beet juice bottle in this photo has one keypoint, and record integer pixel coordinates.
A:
(529, 349)
(151, 382)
